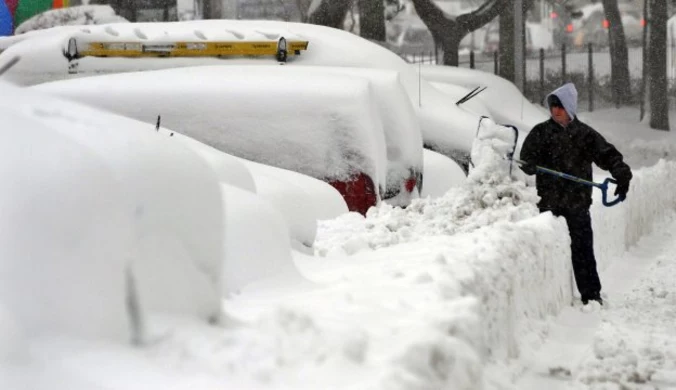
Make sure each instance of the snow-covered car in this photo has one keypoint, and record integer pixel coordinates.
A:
(403, 138)
(445, 127)
(501, 98)
(94, 204)
(325, 126)
(71, 16)
(111, 224)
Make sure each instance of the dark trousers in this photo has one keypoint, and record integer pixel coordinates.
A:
(582, 250)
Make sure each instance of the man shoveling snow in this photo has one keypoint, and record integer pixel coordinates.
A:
(565, 144)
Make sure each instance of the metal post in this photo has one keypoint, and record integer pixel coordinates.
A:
(519, 47)
(563, 64)
(471, 59)
(542, 75)
(496, 62)
(644, 70)
(591, 78)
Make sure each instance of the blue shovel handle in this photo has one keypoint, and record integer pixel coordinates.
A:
(602, 186)
(604, 190)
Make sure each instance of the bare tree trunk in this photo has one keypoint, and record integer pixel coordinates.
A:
(659, 100)
(330, 13)
(211, 9)
(372, 19)
(448, 32)
(303, 7)
(450, 45)
(506, 46)
(619, 55)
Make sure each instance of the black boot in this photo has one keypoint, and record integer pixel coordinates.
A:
(597, 298)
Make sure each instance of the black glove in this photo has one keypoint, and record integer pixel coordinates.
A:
(622, 189)
(528, 168)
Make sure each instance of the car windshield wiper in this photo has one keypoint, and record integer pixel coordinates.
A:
(470, 95)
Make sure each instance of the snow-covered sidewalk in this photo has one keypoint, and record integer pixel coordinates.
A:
(628, 344)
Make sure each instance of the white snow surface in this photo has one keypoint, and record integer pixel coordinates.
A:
(325, 127)
(440, 174)
(485, 307)
(445, 127)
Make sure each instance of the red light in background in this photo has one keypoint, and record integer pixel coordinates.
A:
(643, 23)
(606, 23)
(553, 15)
(410, 184)
(569, 28)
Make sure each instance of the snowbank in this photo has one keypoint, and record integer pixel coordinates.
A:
(444, 126)
(492, 254)
(324, 127)
(502, 253)
(620, 227)
(97, 209)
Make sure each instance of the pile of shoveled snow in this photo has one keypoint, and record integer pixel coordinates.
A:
(494, 191)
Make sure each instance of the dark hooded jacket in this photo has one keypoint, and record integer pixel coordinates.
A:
(570, 150)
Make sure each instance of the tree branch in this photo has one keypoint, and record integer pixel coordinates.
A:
(433, 17)
(482, 15)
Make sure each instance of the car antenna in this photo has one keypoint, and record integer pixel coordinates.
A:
(157, 126)
(419, 84)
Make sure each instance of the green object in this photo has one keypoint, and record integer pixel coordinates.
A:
(29, 8)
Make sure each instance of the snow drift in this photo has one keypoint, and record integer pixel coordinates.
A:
(110, 204)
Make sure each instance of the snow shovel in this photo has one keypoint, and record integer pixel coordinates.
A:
(603, 186)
